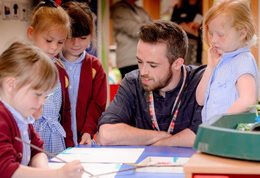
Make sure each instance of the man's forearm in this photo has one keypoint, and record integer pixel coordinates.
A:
(184, 138)
(123, 134)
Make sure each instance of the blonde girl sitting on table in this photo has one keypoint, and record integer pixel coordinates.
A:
(230, 82)
(27, 77)
(49, 28)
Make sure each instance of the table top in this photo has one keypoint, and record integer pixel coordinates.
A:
(163, 151)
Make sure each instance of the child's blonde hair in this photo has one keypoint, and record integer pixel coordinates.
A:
(29, 65)
(47, 14)
(240, 16)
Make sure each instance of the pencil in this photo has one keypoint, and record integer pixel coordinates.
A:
(136, 166)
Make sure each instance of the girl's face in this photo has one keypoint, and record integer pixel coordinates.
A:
(27, 100)
(74, 47)
(51, 41)
(222, 36)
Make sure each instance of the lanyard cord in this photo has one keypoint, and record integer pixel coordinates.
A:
(175, 108)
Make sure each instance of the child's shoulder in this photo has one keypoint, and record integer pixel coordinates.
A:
(5, 114)
(95, 62)
(59, 63)
(91, 57)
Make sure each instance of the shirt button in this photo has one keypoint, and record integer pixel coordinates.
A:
(19, 155)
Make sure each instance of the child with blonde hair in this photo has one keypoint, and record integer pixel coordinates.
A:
(27, 77)
(49, 28)
(230, 82)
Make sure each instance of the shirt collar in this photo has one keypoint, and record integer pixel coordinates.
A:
(236, 52)
(79, 60)
(18, 117)
(230, 55)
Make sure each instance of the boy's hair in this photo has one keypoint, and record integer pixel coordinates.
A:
(168, 33)
(47, 14)
(29, 65)
(82, 23)
(240, 16)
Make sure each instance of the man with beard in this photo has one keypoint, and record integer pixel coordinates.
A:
(156, 104)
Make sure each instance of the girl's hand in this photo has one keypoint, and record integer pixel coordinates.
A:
(213, 57)
(85, 139)
(71, 170)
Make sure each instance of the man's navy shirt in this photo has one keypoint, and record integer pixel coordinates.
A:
(130, 104)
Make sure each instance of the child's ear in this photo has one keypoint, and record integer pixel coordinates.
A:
(10, 83)
(243, 33)
(30, 32)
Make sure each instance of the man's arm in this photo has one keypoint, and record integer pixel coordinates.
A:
(184, 138)
(123, 134)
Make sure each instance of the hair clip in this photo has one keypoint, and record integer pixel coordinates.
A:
(47, 3)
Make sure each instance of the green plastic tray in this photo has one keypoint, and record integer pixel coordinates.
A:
(220, 138)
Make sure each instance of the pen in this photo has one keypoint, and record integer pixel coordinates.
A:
(48, 153)
(136, 166)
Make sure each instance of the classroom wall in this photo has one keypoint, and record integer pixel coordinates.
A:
(13, 24)
(13, 27)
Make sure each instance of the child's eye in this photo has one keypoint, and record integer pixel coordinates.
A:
(48, 41)
(38, 94)
(42, 94)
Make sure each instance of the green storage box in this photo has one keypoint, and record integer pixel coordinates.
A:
(222, 139)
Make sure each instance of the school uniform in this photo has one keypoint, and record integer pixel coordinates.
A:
(221, 92)
(11, 150)
(88, 93)
(54, 126)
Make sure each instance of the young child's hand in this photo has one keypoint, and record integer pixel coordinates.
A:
(85, 139)
(213, 57)
(71, 170)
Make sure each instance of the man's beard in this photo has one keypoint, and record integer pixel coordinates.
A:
(159, 85)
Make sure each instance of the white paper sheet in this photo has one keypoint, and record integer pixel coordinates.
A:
(94, 168)
(101, 155)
